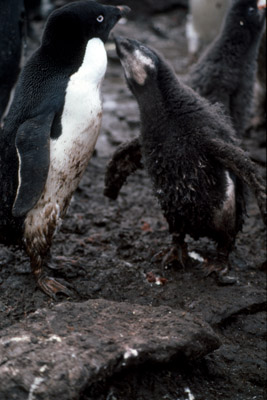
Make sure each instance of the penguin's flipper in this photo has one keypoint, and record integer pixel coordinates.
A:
(125, 161)
(33, 149)
(237, 160)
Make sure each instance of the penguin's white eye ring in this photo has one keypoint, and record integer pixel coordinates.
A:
(100, 18)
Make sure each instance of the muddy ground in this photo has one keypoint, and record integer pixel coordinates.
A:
(105, 248)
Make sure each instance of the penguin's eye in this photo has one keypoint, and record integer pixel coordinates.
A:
(100, 18)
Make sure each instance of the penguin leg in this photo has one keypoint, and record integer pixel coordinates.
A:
(178, 252)
(47, 284)
(40, 226)
(220, 265)
(225, 228)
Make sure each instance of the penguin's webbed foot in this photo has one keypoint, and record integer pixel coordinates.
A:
(220, 269)
(51, 287)
(175, 253)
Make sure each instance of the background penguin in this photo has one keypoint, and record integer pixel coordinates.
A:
(204, 22)
(52, 127)
(12, 23)
(190, 154)
(225, 74)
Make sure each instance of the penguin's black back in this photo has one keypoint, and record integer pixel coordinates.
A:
(32, 97)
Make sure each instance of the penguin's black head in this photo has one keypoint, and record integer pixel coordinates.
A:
(140, 63)
(247, 15)
(74, 24)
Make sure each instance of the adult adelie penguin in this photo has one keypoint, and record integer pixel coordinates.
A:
(190, 154)
(52, 127)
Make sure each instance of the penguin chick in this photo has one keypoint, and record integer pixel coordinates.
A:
(226, 72)
(12, 25)
(204, 22)
(52, 127)
(189, 151)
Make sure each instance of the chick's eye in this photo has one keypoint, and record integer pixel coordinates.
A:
(100, 18)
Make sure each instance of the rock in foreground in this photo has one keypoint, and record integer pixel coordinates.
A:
(58, 352)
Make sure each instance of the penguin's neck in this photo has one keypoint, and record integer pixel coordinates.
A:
(94, 63)
(91, 54)
(237, 45)
(151, 101)
(163, 99)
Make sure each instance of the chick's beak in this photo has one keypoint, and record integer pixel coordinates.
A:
(120, 43)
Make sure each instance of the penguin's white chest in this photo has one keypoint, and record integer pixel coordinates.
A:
(81, 121)
(82, 111)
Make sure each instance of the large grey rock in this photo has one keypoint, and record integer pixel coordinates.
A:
(56, 353)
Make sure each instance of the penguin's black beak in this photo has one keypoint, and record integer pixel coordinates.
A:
(124, 10)
(124, 46)
(114, 14)
(117, 40)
